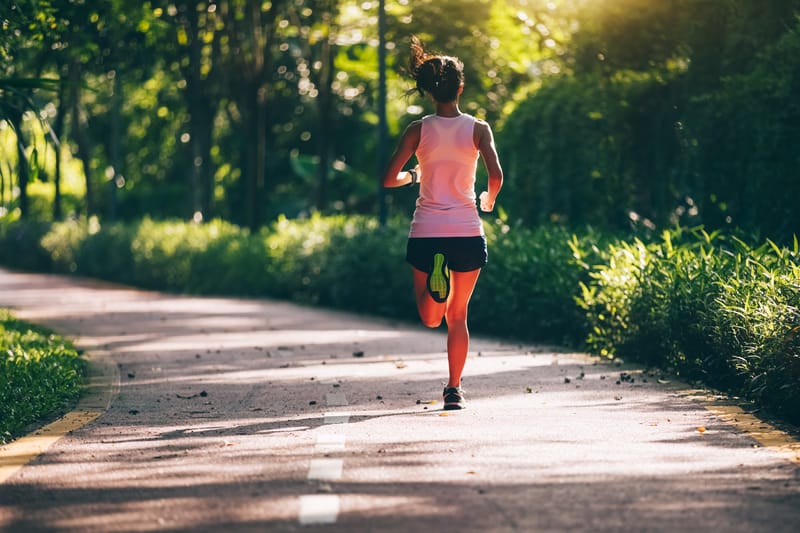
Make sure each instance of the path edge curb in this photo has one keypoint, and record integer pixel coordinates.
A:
(761, 431)
(101, 386)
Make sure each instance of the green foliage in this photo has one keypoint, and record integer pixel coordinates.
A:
(586, 150)
(529, 286)
(705, 305)
(708, 306)
(20, 244)
(662, 127)
(744, 136)
(40, 373)
(345, 262)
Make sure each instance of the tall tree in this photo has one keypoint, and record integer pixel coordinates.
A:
(23, 22)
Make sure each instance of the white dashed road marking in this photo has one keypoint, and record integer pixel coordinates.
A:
(319, 509)
(325, 469)
(324, 508)
(329, 443)
(337, 418)
(336, 399)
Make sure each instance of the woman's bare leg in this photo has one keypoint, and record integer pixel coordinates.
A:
(430, 311)
(461, 286)
(454, 311)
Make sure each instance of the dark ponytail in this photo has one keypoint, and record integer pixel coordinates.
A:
(441, 76)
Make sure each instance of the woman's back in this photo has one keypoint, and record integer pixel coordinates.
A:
(448, 159)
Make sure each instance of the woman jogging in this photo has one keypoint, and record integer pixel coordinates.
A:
(447, 244)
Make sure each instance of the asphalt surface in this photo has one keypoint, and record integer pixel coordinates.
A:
(257, 415)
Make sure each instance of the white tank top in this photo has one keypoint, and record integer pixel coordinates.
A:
(448, 159)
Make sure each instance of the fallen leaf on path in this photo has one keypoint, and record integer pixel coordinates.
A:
(701, 429)
(184, 397)
(400, 364)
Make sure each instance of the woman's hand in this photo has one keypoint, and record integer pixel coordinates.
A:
(487, 204)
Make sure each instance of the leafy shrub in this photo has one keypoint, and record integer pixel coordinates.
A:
(187, 257)
(708, 307)
(758, 320)
(366, 269)
(64, 241)
(39, 374)
(20, 245)
(530, 284)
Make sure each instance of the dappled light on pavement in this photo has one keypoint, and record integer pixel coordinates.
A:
(242, 414)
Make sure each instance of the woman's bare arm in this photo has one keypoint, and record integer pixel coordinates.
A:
(488, 150)
(405, 149)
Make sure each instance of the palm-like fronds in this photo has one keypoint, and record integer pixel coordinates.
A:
(16, 94)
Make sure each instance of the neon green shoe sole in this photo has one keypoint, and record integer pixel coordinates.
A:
(439, 279)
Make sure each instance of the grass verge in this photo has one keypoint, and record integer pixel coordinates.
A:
(40, 375)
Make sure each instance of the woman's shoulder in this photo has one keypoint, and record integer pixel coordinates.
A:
(414, 125)
(480, 121)
(481, 125)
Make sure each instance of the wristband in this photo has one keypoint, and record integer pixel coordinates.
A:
(414, 177)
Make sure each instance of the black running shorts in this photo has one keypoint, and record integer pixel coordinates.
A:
(462, 253)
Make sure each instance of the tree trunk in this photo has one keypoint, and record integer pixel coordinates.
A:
(58, 130)
(325, 100)
(200, 123)
(15, 118)
(256, 155)
(79, 124)
(251, 33)
(115, 144)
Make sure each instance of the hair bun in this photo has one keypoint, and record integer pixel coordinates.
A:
(441, 76)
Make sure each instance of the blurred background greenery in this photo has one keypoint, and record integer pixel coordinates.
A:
(615, 113)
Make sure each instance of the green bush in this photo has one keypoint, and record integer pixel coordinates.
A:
(709, 307)
(528, 289)
(20, 245)
(758, 320)
(40, 373)
(177, 256)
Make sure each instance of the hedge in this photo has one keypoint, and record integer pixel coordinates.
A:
(710, 307)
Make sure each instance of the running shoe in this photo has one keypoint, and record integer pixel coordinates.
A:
(439, 279)
(453, 398)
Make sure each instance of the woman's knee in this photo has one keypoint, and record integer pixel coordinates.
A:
(431, 318)
(456, 316)
(431, 322)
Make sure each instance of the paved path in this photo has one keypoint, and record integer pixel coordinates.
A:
(258, 415)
